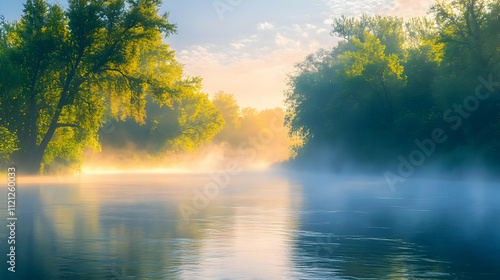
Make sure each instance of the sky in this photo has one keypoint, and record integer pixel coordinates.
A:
(247, 47)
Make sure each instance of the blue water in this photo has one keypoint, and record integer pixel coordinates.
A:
(254, 226)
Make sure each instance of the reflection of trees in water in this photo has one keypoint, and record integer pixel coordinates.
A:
(126, 226)
(322, 227)
(69, 238)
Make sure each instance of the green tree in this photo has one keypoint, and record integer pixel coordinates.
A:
(75, 64)
(469, 28)
(378, 73)
(7, 145)
(228, 106)
(184, 126)
(343, 97)
(468, 31)
(391, 82)
(8, 79)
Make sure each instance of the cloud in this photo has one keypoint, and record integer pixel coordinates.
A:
(256, 81)
(409, 8)
(402, 8)
(310, 26)
(252, 63)
(265, 26)
(237, 45)
(321, 31)
(254, 67)
(357, 7)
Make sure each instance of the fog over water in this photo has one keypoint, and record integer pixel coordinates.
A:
(255, 225)
(371, 150)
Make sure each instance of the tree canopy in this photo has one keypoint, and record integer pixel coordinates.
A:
(390, 82)
(64, 72)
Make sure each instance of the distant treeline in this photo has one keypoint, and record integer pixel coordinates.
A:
(398, 92)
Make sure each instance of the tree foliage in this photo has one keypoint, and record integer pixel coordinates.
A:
(186, 125)
(228, 106)
(391, 82)
(94, 61)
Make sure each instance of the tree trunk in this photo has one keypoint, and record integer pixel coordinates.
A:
(27, 161)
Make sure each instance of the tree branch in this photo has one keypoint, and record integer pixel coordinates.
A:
(128, 79)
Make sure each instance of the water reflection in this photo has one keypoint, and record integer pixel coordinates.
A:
(247, 233)
(109, 227)
(262, 226)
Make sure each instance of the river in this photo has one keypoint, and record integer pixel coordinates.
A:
(254, 225)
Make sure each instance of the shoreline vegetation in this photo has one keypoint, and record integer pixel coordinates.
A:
(97, 84)
(396, 95)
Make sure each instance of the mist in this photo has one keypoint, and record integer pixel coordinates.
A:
(251, 139)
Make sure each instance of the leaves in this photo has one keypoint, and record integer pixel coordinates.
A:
(96, 59)
(390, 82)
(7, 145)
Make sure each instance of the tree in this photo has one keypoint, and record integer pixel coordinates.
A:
(8, 78)
(7, 145)
(468, 31)
(184, 126)
(341, 98)
(392, 82)
(470, 27)
(369, 66)
(228, 106)
(76, 63)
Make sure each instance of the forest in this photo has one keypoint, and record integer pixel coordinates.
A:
(402, 92)
(393, 93)
(98, 81)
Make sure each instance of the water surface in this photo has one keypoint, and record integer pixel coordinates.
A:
(259, 226)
